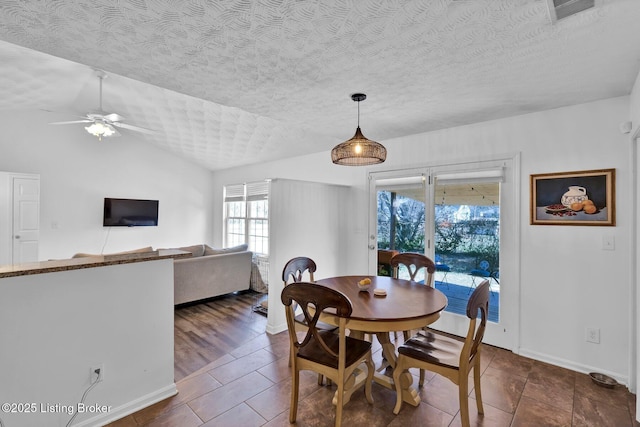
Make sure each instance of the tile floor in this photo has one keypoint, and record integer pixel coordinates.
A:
(250, 386)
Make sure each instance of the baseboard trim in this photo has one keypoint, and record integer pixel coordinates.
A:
(130, 407)
(578, 367)
(276, 329)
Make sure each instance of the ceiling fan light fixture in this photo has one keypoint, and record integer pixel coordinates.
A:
(359, 150)
(100, 129)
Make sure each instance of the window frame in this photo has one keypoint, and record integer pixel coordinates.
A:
(240, 207)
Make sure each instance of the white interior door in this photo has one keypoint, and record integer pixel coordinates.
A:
(26, 219)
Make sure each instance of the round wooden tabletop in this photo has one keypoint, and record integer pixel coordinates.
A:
(407, 305)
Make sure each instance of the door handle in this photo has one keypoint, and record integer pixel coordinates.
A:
(17, 237)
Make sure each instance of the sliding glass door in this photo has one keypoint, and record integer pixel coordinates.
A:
(455, 215)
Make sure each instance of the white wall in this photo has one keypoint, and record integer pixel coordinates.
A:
(77, 172)
(56, 326)
(305, 219)
(568, 282)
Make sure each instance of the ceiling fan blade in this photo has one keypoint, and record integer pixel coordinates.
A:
(134, 128)
(113, 117)
(71, 122)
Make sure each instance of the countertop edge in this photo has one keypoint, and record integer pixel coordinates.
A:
(53, 266)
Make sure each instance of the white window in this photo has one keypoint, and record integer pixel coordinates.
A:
(246, 216)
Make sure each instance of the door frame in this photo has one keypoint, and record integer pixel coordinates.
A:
(504, 334)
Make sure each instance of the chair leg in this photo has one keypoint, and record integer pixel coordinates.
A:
(463, 397)
(422, 375)
(293, 411)
(340, 400)
(476, 384)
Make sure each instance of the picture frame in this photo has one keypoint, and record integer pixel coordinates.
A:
(573, 198)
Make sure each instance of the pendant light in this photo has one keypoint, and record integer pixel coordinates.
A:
(358, 151)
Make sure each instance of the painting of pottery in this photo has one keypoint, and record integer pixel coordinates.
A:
(573, 198)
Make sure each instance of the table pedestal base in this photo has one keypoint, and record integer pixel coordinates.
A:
(353, 383)
(409, 394)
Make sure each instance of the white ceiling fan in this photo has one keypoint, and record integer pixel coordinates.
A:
(103, 124)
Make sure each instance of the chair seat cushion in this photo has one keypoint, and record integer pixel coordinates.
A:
(320, 325)
(356, 349)
(442, 267)
(480, 273)
(433, 348)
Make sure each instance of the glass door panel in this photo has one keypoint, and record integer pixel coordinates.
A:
(467, 242)
(400, 219)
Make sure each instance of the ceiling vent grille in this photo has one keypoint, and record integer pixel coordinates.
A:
(561, 9)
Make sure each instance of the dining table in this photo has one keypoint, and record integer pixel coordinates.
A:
(388, 305)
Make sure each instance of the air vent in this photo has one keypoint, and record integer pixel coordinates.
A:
(561, 9)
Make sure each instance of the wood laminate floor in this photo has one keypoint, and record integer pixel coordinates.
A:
(229, 372)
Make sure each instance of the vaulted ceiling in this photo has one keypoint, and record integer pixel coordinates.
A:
(237, 82)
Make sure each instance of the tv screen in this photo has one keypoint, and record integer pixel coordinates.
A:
(130, 212)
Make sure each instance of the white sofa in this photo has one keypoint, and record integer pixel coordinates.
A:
(207, 273)
(210, 272)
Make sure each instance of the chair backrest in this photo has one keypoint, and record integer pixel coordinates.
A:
(385, 255)
(478, 301)
(318, 298)
(295, 268)
(384, 261)
(414, 262)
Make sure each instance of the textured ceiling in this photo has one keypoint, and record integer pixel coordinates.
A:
(236, 82)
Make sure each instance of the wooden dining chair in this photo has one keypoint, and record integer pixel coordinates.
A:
(335, 356)
(449, 357)
(414, 262)
(294, 271)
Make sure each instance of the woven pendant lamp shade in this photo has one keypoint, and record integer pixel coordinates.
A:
(358, 151)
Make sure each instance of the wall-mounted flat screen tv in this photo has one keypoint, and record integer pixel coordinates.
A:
(130, 212)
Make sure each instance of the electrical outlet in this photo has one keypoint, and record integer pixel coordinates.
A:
(593, 335)
(96, 373)
(609, 243)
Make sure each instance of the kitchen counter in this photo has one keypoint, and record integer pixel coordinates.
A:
(87, 262)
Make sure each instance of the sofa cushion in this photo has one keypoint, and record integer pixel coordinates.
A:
(196, 250)
(208, 250)
(134, 251)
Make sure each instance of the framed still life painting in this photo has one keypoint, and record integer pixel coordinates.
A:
(573, 198)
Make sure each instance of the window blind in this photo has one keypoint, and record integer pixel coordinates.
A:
(481, 175)
(234, 193)
(257, 190)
